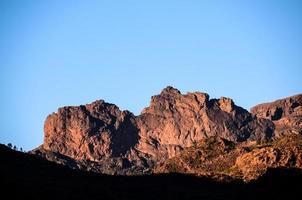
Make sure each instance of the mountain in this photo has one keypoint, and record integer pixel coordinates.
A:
(25, 176)
(100, 137)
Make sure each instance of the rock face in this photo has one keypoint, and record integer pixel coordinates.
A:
(174, 121)
(286, 114)
(95, 131)
(98, 133)
(101, 137)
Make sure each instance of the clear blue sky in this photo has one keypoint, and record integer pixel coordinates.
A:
(56, 53)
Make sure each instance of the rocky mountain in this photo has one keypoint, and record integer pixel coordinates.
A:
(223, 159)
(174, 121)
(284, 113)
(102, 138)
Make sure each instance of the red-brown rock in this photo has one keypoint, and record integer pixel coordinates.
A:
(286, 114)
(101, 137)
(174, 121)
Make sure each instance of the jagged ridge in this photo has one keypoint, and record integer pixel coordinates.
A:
(101, 137)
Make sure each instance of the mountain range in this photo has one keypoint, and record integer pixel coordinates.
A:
(180, 133)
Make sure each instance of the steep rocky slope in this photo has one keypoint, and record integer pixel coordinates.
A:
(102, 138)
(285, 152)
(174, 121)
(97, 136)
(225, 160)
(286, 114)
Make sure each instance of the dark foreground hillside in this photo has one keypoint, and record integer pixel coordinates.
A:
(27, 177)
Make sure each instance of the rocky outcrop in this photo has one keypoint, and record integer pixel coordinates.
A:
(225, 160)
(100, 137)
(283, 153)
(92, 132)
(174, 121)
(97, 134)
(286, 114)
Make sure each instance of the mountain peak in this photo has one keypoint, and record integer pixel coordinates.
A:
(170, 90)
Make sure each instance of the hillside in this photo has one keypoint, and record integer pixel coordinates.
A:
(29, 177)
(224, 160)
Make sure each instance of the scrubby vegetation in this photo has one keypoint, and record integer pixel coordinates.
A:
(222, 159)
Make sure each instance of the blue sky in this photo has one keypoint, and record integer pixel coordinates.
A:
(57, 53)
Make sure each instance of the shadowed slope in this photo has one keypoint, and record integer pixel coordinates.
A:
(28, 177)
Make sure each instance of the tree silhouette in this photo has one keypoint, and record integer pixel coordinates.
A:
(10, 145)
